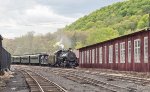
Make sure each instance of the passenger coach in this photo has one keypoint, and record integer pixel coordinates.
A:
(35, 59)
(129, 53)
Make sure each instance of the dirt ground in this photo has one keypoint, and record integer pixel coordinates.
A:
(13, 82)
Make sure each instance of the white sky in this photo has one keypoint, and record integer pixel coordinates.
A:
(17, 17)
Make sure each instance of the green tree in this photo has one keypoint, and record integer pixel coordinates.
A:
(102, 35)
(143, 22)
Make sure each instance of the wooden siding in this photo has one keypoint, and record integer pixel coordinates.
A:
(127, 66)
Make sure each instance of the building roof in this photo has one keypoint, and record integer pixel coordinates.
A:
(139, 31)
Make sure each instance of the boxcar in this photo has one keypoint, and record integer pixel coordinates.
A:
(129, 53)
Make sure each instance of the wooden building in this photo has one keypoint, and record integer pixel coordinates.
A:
(128, 53)
(5, 58)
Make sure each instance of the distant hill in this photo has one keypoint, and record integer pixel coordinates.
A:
(103, 24)
(112, 21)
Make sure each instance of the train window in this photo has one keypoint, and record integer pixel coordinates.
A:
(85, 59)
(88, 60)
(93, 56)
(116, 52)
(96, 56)
(111, 54)
(90, 55)
(122, 52)
(137, 45)
(145, 49)
(82, 57)
(105, 54)
(100, 55)
(129, 51)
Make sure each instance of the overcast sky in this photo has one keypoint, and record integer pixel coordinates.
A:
(17, 17)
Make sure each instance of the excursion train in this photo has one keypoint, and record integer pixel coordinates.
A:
(35, 59)
(61, 58)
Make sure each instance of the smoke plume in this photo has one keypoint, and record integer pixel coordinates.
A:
(59, 44)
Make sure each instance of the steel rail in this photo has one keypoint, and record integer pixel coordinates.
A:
(131, 79)
(58, 86)
(40, 88)
(42, 77)
(94, 82)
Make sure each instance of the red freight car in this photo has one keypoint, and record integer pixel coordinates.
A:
(129, 52)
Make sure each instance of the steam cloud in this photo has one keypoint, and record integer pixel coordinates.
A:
(59, 44)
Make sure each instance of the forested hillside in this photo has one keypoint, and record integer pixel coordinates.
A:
(31, 43)
(103, 24)
(112, 21)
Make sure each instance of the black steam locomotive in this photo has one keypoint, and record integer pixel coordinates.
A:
(65, 58)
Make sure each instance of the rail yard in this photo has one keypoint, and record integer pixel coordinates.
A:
(48, 79)
(75, 46)
(63, 71)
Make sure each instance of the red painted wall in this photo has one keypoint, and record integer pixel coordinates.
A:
(140, 67)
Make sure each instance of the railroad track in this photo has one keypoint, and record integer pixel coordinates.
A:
(86, 80)
(38, 83)
(130, 79)
(74, 75)
(139, 81)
